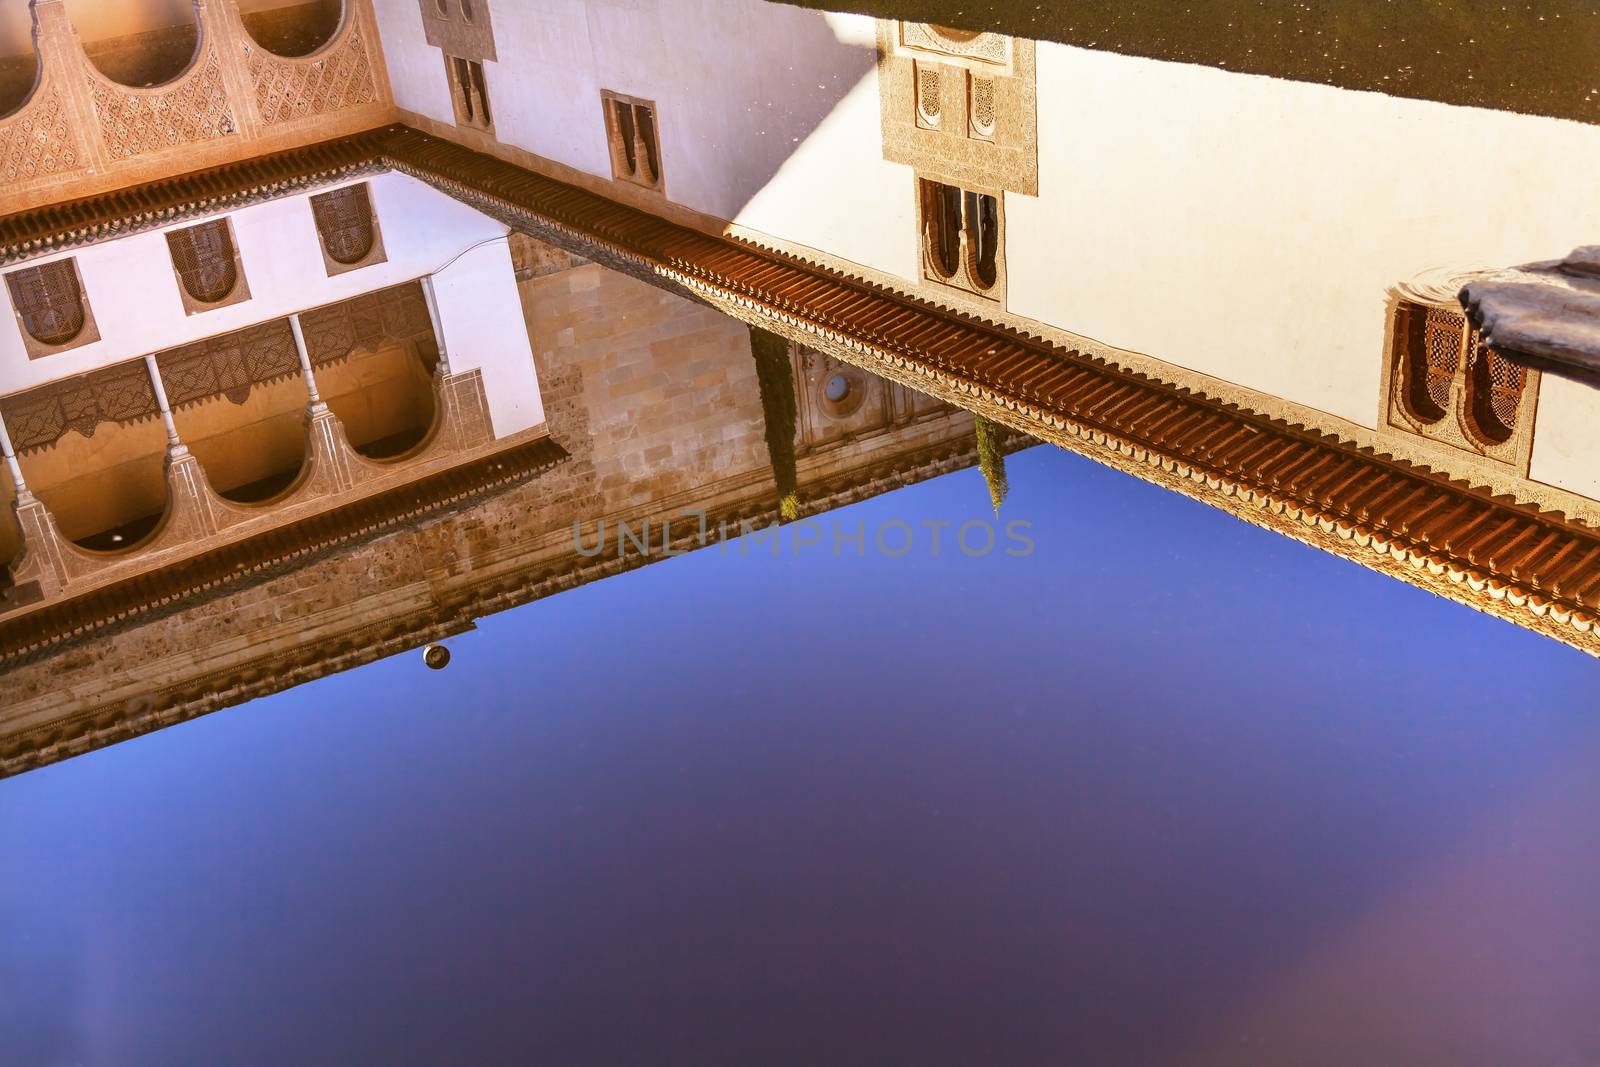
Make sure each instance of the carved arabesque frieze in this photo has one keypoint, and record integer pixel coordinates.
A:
(192, 110)
(290, 89)
(362, 323)
(36, 142)
(39, 417)
(229, 365)
(959, 108)
(81, 132)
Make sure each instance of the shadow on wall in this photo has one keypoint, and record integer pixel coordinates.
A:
(787, 68)
(796, 87)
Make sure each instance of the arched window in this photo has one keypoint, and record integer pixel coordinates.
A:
(645, 123)
(983, 237)
(983, 111)
(929, 102)
(49, 301)
(941, 220)
(1431, 340)
(469, 91)
(623, 114)
(1494, 393)
(467, 11)
(632, 137)
(344, 222)
(203, 256)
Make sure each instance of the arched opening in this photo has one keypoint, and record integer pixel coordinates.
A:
(49, 301)
(205, 260)
(253, 452)
(983, 237)
(955, 36)
(138, 45)
(292, 28)
(1494, 394)
(1430, 349)
(941, 220)
(19, 63)
(384, 397)
(107, 492)
(344, 223)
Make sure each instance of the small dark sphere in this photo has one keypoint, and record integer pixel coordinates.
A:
(436, 656)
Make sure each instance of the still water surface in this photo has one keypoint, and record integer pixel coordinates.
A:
(1167, 790)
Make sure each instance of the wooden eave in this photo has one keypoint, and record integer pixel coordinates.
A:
(1533, 567)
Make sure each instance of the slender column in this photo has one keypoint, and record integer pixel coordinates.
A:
(24, 496)
(438, 326)
(305, 364)
(174, 445)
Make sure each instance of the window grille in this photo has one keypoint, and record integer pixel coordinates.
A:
(983, 119)
(203, 256)
(344, 222)
(928, 99)
(1494, 392)
(1433, 338)
(49, 300)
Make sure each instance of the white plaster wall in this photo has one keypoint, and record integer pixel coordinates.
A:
(133, 290)
(480, 313)
(416, 68)
(741, 127)
(1566, 439)
(1244, 227)
(1250, 228)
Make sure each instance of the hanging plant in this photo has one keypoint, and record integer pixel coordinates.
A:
(990, 460)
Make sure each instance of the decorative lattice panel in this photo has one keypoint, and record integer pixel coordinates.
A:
(344, 223)
(363, 323)
(929, 103)
(203, 256)
(229, 365)
(35, 142)
(983, 111)
(1432, 357)
(290, 89)
(49, 301)
(1496, 385)
(39, 417)
(194, 110)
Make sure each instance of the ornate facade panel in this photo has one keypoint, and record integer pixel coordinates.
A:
(193, 110)
(460, 28)
(959, 107)
(291, 89)
(39, 417)
(36, 142)
(1443, 384)
(362, 323)
(229, 365)
(969, 48)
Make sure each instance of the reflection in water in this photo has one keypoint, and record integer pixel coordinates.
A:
(365, 346)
